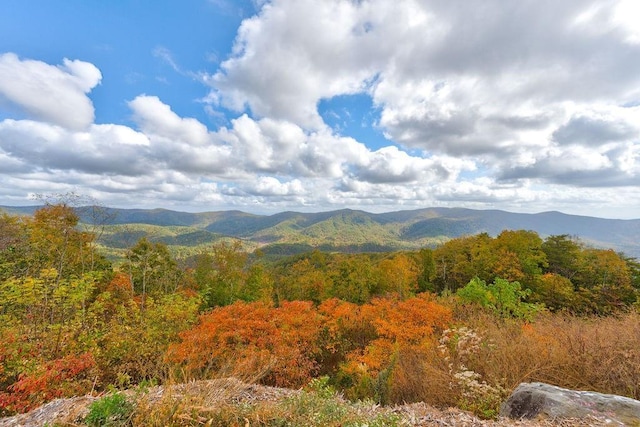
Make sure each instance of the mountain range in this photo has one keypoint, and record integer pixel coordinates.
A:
(347, 230)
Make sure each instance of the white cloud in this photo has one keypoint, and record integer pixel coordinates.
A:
(523, 96)
(57, 94)
(156, 118)
(102, 149)
(450, 77)
(283, 148)
(292, 54)
(270, 186)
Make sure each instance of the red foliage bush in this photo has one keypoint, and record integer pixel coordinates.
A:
(58, 378)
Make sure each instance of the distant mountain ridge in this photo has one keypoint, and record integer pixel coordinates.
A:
(355, 229)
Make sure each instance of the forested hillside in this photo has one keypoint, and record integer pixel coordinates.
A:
(344, 230)
(459, 324)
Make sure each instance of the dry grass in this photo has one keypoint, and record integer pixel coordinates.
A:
(195, 403)
(477, 365)
(599, 354)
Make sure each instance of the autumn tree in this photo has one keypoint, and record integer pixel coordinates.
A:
(55, 242)
(634, 270)
(131, 339)
(13, 246)
(303, 277)
(519, 248)
(555, 291)
(459, 260)
(563, 255)
(353, 278)
(398, 274)
(604, 281)
(224, 275)
(506, 264)
(152, 269)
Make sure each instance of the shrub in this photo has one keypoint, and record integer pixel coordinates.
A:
(504, 298)
(386, 365)
(62, 377)
(113, 410)
(250, 337)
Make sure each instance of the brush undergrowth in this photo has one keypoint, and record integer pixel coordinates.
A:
(473, 365)
(487, 357)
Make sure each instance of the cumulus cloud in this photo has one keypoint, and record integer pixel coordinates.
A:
(280, 147)
(489, 80)
(56, 94)
(390, 165)
(595, 147)
(288, 57)
(102, 149)
(596, 127)
(583, 167)
(270, 186)
(156, 118)
(266, 161)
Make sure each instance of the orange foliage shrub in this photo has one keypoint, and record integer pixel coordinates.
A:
(389, 339)
(345, 330)
(365, 348)
(399, 325)
(250, 337)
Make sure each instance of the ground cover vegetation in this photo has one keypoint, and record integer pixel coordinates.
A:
(458, 325)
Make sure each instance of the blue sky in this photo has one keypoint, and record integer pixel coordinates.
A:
(133, 43)
(271, 105)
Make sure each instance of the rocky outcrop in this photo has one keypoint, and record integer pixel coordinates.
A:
(539, 400)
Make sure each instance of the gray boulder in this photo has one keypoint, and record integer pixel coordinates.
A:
(539, 400)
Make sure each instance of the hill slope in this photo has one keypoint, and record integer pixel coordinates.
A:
(353, 230)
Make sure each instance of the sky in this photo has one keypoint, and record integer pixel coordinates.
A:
(314, 105)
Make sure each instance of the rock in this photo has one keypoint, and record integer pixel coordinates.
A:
(57, 412)
(539, 400)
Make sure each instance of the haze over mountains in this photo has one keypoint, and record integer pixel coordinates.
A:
(354, 230)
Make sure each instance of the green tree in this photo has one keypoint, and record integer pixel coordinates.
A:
(475, 292)
(223, 275)
(563, 255)
(152, 269)
(427, 270)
